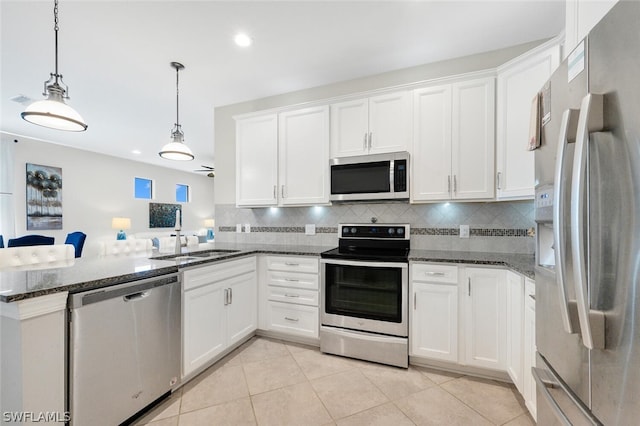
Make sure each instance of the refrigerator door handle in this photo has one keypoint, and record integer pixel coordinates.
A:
(543, 385)
(568, 128)
(591, 119)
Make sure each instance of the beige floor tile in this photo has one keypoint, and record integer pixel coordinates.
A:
(260, 349)
(382, 415)
(292, 405)
(170, 407)
(171, 421)
(233, 413)
(299, 347)
(270, 374)
(315, 364)
(397, 383)
(523, 420)
(495, 400)
(232, 359)
(438, 376)
(434, 406)
(347, 393)
(215, 387)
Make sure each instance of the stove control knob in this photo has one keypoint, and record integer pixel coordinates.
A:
(353, 230)
(400, 231)
(345, 231)
(391, 231)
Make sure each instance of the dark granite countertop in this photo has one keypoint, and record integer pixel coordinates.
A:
(24, 282)
(84, 274)
(521, 263)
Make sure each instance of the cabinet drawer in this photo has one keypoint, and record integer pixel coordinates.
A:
(293, 319)
(293, 264)
(434, 273)
(293, 295)
(292, 279)
(217, 272)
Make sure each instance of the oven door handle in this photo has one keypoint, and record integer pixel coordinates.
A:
(366, 263)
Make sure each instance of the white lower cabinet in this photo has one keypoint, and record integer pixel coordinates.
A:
(485, 311)
(515, 326)
(434, 320)
(529, 384)
(289, 296)
(219, 308)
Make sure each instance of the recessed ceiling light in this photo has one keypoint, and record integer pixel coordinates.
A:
(136, 151)
(242, 40)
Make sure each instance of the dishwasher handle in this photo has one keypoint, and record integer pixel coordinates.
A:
(136, 296)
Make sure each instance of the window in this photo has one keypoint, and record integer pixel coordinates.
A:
(143, 188)
(182, 193)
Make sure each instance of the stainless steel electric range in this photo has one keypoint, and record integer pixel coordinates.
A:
(365, 285)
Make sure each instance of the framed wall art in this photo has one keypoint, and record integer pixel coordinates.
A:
(44, 197)
(163, 215)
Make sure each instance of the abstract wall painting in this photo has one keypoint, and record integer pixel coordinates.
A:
(44, 197)
(163, 215)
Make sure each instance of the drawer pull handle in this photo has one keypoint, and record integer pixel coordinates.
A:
(292, 319)
(291, 280)
(291, 264)
(291, 295)
(435, 274)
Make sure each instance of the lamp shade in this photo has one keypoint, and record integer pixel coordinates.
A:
(176, 151)
(121, 223)
(55, 114)
(209, 223)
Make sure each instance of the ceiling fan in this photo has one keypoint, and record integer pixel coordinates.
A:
(207, 169)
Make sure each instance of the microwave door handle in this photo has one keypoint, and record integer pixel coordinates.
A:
(567, 134)
(591, 321)
(392, 177)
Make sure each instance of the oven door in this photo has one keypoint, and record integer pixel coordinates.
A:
(365, 296)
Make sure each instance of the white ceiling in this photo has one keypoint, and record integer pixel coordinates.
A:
(115, 57)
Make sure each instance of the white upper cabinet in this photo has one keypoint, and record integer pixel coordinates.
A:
(304, 156)
(518, 82)
(580, 17)
(372, 125)
(431, 153)
(454, 141)
(257, 161)
(283, 159)
(473, 139)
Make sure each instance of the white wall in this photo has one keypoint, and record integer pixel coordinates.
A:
(225, 132)
(98, 187)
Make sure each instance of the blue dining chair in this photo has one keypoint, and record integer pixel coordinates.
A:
(1, 242)
(77, 239)
(30, 240)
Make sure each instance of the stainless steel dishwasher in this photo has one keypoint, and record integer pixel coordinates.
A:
(124, 349)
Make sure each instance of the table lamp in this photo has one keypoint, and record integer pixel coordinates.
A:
(121, 223)
(209, 224)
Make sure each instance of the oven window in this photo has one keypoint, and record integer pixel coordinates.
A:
(364, 292)
(360, 178)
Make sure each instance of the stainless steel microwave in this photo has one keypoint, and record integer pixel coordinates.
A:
(370, 177)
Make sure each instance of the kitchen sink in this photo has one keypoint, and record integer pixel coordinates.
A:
(195, 255)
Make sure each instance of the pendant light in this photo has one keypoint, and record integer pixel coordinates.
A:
(177, 150)
(53, 112)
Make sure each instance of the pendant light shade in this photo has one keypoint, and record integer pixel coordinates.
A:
(53, 112)
(177, 150)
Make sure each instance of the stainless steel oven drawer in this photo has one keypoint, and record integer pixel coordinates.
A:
(371, 347)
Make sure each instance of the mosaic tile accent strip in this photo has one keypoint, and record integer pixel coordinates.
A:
(453, 232)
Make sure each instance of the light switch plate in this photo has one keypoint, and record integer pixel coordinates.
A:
(310, 229)
(247, 228)
(238, 227)
(464, 231)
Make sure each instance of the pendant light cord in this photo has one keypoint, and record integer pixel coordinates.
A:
(56, 28)
(177, 98)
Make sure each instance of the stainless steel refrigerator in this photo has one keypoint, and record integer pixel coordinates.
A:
(588, 230)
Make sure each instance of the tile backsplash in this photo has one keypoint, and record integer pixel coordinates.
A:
(494, 226)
